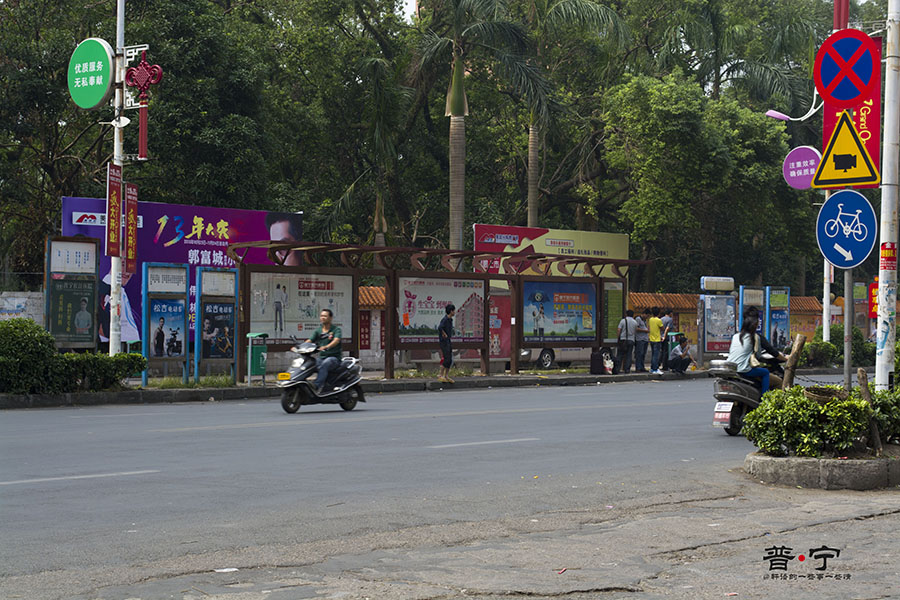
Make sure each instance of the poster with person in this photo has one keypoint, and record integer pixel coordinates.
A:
(183, 234)
(286, 304)
(217, 330)
(421, 305)
(167, 332)
(73, 304)
(559, 311)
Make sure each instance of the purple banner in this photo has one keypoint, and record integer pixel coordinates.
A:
(177, 233)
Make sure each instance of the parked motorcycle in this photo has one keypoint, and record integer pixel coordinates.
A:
(737, 395)
(342, 386)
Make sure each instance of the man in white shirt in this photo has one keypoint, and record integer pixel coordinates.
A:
(680, 358)
(626, 334)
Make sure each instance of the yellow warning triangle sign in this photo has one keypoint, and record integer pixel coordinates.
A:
(845, 162)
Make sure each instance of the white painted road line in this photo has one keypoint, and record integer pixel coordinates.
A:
(70, 477)
(488, 442)
(361, 416)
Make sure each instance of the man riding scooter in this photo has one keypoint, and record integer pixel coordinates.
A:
(328, 338)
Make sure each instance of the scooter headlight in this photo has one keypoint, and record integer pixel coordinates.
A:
(297, 363)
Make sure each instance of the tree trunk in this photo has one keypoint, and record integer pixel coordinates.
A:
(792, 361)
(379, 222)
(874, 435)
(533, 135)
(457, 181)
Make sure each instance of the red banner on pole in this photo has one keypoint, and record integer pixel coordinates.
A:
(866, 117)
(131, 227)
(113, 210)
(873, 299)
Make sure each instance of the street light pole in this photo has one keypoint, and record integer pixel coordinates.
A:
(887, 270)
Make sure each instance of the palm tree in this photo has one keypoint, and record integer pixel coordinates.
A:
(459, 28)
(547, 20)
(709, 42)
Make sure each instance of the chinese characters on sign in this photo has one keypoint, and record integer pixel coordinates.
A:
(779, 557)
(131, 227)
(113, 209)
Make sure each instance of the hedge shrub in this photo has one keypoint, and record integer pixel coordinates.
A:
(29, 352)
(30, 364)
(862, 353)
(787, 422)
(818, 354)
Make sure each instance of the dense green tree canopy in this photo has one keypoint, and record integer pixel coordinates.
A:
(650, 110)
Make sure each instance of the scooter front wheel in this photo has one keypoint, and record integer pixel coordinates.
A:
(290, 400)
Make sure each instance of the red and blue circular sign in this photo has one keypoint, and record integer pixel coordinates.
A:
(845, 70)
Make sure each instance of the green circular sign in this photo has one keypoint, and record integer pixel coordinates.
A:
(91, 73)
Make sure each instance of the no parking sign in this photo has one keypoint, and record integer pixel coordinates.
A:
(846, 68)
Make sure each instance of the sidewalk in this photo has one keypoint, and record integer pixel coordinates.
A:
(372, 384)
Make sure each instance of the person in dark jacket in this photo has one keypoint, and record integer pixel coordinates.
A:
(445, 333)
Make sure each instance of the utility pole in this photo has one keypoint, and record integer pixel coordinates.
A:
(115, 270)
(841, 16)
(887, 271)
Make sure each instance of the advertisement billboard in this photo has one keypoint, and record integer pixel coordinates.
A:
(778, 310)
(73, 309)
(167, 334)
(176, 233)
(556, 311)
(288, 304)
(422, 306)
(217, 333)
(507, 238)
(718, 323)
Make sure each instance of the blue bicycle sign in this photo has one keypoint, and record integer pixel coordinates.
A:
(846, 229)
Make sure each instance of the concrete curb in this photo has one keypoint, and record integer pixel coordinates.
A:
(370, 386)
(823, 473)
(383, 386)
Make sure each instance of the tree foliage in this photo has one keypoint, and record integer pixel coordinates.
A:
(333, 108)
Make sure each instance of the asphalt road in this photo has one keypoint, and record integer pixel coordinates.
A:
(113, 497)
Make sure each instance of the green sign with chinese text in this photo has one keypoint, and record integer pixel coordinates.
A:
(91, 71)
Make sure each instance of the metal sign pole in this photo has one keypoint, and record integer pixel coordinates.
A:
(887, 270)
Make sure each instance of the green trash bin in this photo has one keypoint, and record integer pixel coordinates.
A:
(256, 357)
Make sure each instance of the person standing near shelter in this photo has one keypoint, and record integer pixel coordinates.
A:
(280, 301)
(445, 334)
(626, 335)
(656, 327)
(641, 340)
(328, 338)
(668, 327)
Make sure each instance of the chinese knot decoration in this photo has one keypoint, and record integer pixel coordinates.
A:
(142, 77)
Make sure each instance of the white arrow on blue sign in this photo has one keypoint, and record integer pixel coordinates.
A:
(846, 229)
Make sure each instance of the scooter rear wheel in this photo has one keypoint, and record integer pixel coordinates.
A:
(354, 395)
(290, 400)
(736, 422)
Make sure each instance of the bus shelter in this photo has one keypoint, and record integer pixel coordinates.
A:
(554, 300)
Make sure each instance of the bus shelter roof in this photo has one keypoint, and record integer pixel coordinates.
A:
(396, 258)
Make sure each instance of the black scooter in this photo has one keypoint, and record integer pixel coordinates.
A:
(342, 386)
(737, 395)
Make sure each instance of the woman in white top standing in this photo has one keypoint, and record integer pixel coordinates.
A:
(743, 343)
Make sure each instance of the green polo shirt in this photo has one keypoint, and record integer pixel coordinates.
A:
(321, 338)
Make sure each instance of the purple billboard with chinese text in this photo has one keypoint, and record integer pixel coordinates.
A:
(177, 233)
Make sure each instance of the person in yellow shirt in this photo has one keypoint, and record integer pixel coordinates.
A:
(656, 325)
